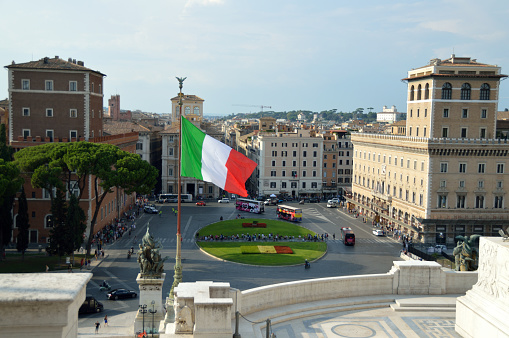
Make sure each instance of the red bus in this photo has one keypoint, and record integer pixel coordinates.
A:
(347, 236)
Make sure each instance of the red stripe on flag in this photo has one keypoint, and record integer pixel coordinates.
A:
(239, 169)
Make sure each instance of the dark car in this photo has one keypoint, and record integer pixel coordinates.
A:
(121, 293)
(91, 305)
(314, 200)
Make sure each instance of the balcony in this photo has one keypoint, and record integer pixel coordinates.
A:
(382, 196)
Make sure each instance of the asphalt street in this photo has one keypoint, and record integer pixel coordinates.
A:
(370, 255)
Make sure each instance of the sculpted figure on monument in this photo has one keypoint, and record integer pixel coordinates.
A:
(149, 258)
(465, 253)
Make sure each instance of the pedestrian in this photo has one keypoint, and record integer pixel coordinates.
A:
(106, 320)
(97, 324)
(102, 252)
(160, 213)
(47, 268)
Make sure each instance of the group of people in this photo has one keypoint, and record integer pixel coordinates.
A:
(262, 237)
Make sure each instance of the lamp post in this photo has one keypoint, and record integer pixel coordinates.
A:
(177, 277)
(143, 310)
(153, 312)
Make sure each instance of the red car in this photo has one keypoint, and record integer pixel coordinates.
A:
(200, 203)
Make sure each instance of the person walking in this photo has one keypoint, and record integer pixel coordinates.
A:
(97, 325)
(106, 320)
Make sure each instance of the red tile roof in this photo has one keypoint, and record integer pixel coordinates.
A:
(52, 63)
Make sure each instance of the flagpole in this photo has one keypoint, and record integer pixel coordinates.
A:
(177, 277)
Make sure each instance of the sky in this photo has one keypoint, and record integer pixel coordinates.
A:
(239, 55)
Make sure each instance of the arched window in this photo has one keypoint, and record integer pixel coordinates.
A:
(485, 92)
(177, 110)
(196, 110)
(419, 90)
(187, 110)
(412, 93)
(465, 91)
(426, 92)
(446, 91)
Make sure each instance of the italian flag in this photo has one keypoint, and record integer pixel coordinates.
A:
(207, 159)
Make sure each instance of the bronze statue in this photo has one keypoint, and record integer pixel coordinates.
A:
(465, 254)
(149, 258)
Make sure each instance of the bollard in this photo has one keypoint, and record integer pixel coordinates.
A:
(267, 329)
(237, 317)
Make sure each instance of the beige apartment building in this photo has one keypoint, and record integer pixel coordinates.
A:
(337, 162)
(445, 177)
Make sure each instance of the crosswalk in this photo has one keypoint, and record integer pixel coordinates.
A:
(313, 212)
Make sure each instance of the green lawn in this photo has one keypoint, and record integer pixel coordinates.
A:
(231, 250)
(35, 263)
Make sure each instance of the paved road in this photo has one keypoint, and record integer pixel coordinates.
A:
(371, 254)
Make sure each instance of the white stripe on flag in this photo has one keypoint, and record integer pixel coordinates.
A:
(213, 160)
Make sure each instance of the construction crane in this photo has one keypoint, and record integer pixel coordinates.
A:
(250, 105)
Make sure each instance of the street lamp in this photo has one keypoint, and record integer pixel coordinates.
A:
(153, 312)
(143, 311)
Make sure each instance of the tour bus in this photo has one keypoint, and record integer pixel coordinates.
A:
(186, 198)
(289, 213)
(168, 198)
(244, 204)
(347, 236)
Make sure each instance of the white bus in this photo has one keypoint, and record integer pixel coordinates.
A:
(173, 198)
(186, 198)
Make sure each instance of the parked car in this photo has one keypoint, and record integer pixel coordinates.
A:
(331, 204)
(150, 210)
(335, 200)
(224, 200)
(91, 305)
(378, 232)
(121, 293)
(201, 203)
(314, 200)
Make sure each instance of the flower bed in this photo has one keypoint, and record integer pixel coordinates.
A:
(265, 249)
(283, 249)
(254, 225)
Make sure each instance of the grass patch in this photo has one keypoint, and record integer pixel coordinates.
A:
(288, 252)
(35, 263)
(231, 251)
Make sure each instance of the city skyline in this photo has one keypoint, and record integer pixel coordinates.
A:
(288, 55)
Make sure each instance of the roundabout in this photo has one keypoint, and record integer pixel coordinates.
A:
(261, 242)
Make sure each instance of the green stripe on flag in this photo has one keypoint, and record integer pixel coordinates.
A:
(192, 144)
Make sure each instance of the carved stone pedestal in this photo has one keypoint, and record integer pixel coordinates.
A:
(151, 295)
(483, 311)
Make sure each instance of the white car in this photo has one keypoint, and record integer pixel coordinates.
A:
(378, 232)
(333, 200)
(224, 200)
(331, 204)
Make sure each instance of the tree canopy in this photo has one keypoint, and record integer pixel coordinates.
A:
(109, 167)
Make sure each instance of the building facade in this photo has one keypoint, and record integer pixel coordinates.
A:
(445, 177)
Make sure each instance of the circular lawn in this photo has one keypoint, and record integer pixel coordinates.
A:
(294, 243)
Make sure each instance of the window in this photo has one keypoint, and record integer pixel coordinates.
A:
(426, 92)
(46, 193)
(49, 133)
(479, 202)
(274, 153)
(25, 111)
(465, 91)
(463, 132)
(25, 84)
(73, 86)
(442, 201)
(73, 113)
(445, 131)
(426, 112)
(304, 153)
(139, 146)
(482, 133)
(410, 132)
(443, 167)
(481, 168)
(416, 131)
(462, 184)
(49, 112)
(314, 185)
(272, 173)
(73, 134)
(422, 166)
(499, 184)
(304, 185)
(315, 145)
(314, 173)
(187, 110)
(418, 110)
(460, 201)
(26, 133)
(283, 173)
(170, 171)
(273, 185)
(442, 184)
(484, 113)
(92, 86)
(283, 163)
(170, 151)
(499, 201)
(485, 92)
(446, 91)
(273, 163)
(48, 85)
(424, 132)
(500, 168)
(419, 89)
(412, 89)
(446, 112)
(293, 185)
(464, 113)
(196, 110)
(463, 168)
(314, 163)
(294, 153)
(294, 163)
(283, 185)
(303, 173)
(314, 153)
(284, 154)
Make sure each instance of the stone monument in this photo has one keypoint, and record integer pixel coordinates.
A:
(483, 311)
(150, 281)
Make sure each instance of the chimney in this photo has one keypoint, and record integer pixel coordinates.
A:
(56, 57)
(69, 60)
(74, 61)
(46, 59)
(81, 63)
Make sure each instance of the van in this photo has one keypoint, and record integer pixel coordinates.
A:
(91, 305)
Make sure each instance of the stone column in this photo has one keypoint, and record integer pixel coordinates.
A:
(151, 295)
